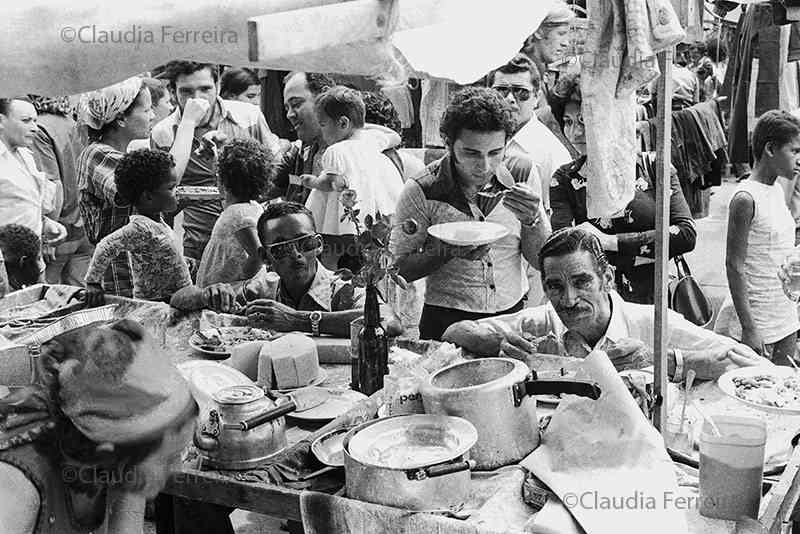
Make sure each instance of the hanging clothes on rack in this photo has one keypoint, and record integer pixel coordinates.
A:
(760, 44)
(624, 37)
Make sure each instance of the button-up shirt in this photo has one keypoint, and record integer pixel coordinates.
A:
(628, 320)
(237, 120)
(494, 283)
(327, 293)
(25, 193)
(298, 159)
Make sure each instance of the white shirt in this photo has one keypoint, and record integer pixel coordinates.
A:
(628, 320)
(372, 175)
(25, 193)
(537, 142)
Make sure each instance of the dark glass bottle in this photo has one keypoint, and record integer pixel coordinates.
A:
(373, 347)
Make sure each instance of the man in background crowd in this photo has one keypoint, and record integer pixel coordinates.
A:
(202, 114)
(304, 155)
(56, 147)
(27, 197)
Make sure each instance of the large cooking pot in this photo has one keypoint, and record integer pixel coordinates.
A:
(416, 462)
(494, 394)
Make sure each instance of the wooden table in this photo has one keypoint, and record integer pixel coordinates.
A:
(779, 509)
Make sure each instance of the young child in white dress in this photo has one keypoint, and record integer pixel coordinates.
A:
(353, 160)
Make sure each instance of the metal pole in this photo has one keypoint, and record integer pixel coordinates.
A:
(663, 170)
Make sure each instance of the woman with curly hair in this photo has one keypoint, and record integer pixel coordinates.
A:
(232, 252)
(94, 436)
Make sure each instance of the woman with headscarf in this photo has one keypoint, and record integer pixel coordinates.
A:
(94, 435)
(114, 116)
(628, 237)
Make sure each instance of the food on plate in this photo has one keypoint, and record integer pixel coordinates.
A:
(476, 338)
(294, 361)
(769, 390)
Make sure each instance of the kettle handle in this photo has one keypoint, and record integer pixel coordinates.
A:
(266, 417)
(532, 386)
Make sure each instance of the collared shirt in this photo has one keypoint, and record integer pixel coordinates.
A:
(536, 141)
(327, 293)
(237, 120)
(25, 194)
(628, 320)
(158, 267)
(494, 283)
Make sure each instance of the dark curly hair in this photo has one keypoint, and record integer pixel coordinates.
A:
(379, 110)
(243, 167)
(142, 171)
(479, 109)
(177, 67)
(21, 240)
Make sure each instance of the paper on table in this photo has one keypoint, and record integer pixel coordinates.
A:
(606, 462)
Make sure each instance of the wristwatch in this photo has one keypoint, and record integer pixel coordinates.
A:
(315, 317)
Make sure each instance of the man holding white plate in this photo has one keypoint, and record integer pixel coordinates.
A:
(471, 184)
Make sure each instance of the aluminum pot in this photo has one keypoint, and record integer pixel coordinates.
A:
(225, 444)
(494, 394)
(415, 462)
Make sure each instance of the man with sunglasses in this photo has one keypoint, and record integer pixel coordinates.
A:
(519, 83)
(309, 297)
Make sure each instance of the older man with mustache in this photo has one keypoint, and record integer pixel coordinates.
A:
(584, 313)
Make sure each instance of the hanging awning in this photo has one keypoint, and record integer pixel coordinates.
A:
(55, 47)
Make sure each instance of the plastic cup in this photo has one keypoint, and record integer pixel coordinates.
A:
(731, 467)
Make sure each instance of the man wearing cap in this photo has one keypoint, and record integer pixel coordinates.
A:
(117, 413)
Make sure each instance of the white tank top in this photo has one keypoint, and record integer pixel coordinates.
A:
(770, 240)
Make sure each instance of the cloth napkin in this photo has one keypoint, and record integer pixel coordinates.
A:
(605, 461)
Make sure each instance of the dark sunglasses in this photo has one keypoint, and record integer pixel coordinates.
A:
(304, 243)
(521, 94)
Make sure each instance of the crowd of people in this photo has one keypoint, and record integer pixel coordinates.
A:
(99, 195)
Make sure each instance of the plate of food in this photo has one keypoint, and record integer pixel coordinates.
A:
(769, 388)
(468, 233)
(216, 343)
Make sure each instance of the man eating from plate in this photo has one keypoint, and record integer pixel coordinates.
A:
(309, 297)
(584, 313)
(471, 183)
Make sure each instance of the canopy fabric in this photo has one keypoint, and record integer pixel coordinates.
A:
(58, 47)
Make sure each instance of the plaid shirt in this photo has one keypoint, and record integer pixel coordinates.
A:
(102, 211)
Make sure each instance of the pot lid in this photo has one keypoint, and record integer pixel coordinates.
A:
(238, 394)
(412, 441)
